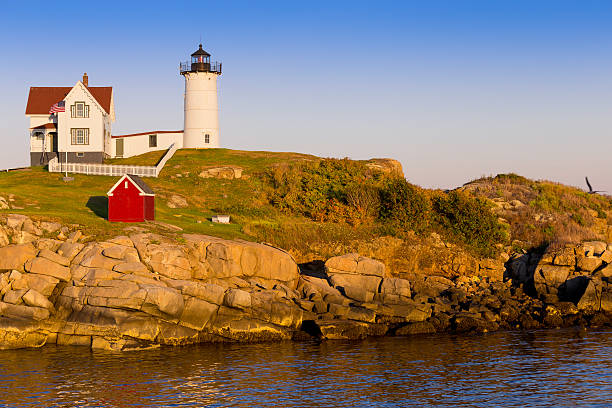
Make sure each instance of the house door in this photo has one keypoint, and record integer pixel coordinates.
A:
(53, 137)
(119, 148)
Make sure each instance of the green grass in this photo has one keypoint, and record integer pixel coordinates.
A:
(266, 203)
(147, 159)
(39, 193)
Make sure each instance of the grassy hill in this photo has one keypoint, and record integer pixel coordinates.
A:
(544, 213)
(322, 207)
(37, 192)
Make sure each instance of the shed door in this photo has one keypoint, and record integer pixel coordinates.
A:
(119, 148)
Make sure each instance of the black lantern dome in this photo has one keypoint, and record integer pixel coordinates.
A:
(200, 62)
(200, 53)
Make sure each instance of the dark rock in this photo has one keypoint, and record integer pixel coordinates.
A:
(441, 322)
(415, 328)
(467, 322)
(361, 314)
(528, 322)
(552, 317)
(349, 329)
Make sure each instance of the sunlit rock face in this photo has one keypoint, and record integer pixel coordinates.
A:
(59, 286)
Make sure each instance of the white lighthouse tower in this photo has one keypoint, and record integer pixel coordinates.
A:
(201, 103)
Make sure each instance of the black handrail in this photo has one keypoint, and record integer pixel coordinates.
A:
(187, 66)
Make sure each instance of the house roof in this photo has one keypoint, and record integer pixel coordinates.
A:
(137, 181)
(155, 132)
(41, 98)
(45, 126)
(200, 51)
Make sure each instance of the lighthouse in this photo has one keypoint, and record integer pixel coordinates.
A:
(201, 127)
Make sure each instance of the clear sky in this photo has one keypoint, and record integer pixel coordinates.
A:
(453, 89)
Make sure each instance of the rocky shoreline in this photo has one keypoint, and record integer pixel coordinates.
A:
(142, 290)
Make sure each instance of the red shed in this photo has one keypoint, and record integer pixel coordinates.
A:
(131, 200)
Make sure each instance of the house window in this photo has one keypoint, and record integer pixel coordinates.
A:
(79, 110)
(207, 138)
(152, 140)
(79, 136)
(80, 154)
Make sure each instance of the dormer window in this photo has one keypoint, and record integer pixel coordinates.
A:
(79, 110)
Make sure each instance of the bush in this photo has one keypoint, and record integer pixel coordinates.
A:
(364, 199)
(327, 190)
(465, 219)
(404, 206)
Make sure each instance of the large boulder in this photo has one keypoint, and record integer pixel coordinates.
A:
(17, 338)
(197, 313)
(225, 259)
(349, 329)
(589, 263)
(548, 278)
(41, 283)
(224, 172)
(385, 165)
(355, 264)
(357, 277)
(590, 301)
(36, 299)
(23, 312)
(238, 299)
(4, 237)
(606, 299)
(15, 256)
(395, 286)
(177, 201)
(167, 300)
(43, 266)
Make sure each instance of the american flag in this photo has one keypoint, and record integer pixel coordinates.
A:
(58, 107)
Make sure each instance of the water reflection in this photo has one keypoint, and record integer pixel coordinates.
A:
(542, 368)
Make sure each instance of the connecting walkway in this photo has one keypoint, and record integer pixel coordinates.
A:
(112, 169)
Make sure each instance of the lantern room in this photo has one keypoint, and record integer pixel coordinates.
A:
(200, 60)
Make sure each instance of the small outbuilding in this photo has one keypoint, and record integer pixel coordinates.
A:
(131, 200)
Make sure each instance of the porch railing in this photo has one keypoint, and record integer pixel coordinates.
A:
(56, 166)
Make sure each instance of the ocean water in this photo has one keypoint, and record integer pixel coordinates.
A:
(569, 368)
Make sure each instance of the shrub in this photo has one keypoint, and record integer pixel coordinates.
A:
(364, 199)
(465, 219)
(404, 206)
(326, 190)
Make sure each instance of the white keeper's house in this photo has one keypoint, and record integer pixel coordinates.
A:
(74, 123)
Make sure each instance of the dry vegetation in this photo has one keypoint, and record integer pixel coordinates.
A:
(318, 208)
(545, 214)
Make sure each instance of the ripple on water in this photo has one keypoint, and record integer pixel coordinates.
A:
(513, 369)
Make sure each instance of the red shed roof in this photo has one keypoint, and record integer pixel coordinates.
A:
(41, 98)
(136, 181)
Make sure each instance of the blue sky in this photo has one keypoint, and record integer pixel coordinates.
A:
(453, 89)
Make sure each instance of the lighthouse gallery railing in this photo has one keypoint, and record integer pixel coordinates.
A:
(197, 66)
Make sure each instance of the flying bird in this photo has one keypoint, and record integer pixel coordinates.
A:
(591, 191)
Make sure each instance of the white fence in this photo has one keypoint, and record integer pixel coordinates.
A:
(111, 169)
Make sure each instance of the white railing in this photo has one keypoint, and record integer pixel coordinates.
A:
(116, 170)
(165, 158)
